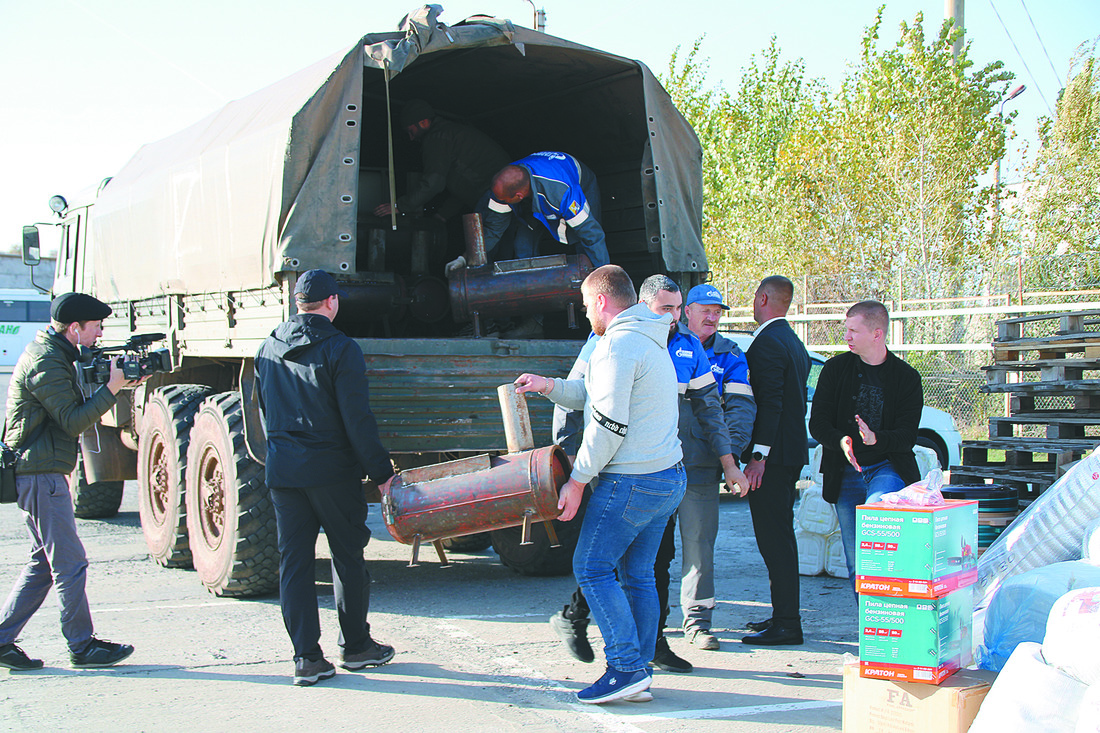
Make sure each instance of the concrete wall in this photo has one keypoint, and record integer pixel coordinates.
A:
(14, 274)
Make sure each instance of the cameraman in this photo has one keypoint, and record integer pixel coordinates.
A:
(46, 413)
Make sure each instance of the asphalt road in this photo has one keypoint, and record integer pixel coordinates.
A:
(474, 650)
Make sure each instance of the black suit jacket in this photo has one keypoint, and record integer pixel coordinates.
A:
(778, 369)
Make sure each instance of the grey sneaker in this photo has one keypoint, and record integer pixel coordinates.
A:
(309, 672)
(15, 658)
(100, 653)
(373, 656)
(702, 638)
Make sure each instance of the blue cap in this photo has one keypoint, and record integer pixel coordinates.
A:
(706, 294)
(316, 285)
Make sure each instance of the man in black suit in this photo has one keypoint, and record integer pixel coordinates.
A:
(778, 367)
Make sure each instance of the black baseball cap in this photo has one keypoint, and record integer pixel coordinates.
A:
(315, 285)
(73, 307)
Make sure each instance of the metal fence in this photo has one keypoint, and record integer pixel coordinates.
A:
(947, 339)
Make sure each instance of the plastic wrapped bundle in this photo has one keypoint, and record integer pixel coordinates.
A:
(835, 563)
(1051, 530)
(814, 514)
(1072, 641)
(1022, 605)
(811, 552)
(1030, 695)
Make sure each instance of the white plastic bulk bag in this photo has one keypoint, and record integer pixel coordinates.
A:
(1030, 695)
(1072, 641)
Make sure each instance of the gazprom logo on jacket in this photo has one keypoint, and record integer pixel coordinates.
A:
(684, 353)
(717, 369)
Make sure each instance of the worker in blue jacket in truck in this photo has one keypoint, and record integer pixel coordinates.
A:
(563, 196)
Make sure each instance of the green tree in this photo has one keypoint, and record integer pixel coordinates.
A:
(1063, 185)
(888, 167)
(746, 216)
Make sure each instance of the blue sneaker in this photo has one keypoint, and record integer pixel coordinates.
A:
(615, 685)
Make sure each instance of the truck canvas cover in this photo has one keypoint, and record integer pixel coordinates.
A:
(271, 182)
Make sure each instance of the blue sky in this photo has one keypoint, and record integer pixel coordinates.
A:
(85, 82)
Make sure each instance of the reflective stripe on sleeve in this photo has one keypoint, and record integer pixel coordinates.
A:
(738, 388)
(499, 207)
(701, 381)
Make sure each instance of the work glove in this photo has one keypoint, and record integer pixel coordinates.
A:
(454, 265)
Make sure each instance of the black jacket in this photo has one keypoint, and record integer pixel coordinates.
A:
(312, 385)
(778, 369)
(833, 416)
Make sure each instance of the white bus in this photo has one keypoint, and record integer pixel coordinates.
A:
(22, 314)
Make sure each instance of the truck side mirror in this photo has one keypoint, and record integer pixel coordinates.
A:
(31, 254)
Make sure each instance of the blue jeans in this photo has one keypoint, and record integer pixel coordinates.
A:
(622, 528)
(861, 488)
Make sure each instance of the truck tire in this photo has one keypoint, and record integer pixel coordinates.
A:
(468, 543)
(162, 463)
(94, 501)
(230, 520)
(538, 558)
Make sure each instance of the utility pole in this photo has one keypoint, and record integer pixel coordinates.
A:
(953, 10)
(538, 20)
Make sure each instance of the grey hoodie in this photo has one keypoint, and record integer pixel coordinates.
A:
(629, 396)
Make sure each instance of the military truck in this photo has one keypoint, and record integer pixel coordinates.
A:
(202, 235)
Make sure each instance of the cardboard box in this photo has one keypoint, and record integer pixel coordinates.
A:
(881, 706)
(915, 639)
(916, 552)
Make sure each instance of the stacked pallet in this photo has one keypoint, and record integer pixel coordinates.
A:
(1049, 367)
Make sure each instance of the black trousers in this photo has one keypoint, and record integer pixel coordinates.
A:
(578, 606)
(772, 510)
(299, 514)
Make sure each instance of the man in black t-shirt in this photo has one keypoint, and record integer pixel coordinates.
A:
(865, 414)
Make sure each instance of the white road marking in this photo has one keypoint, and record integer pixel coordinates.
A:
(739, 712)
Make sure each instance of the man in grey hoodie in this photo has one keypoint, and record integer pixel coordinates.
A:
(630, 445)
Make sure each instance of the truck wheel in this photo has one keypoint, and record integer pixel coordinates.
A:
(538, 558)
(230, 520)
(94, 501)
(468, 543)
(162, 461)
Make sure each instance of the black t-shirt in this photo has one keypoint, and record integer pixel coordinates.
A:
(868, 401)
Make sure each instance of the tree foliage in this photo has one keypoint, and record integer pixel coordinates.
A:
(1063, 185)
(882, 171)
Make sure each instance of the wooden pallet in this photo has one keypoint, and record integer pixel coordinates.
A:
(1039, 357)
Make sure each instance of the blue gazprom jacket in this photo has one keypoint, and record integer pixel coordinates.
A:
(731, 372)
(701, 403)
(557, 200)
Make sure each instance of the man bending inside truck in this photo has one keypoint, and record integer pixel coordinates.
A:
(548, 188)
(458, 160)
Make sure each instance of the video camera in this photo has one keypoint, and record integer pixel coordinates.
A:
(137, 362)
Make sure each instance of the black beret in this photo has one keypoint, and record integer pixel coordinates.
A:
(73, 307)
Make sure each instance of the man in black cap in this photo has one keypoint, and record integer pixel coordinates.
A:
(46, 413)
(457, 158)
(321, 441)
